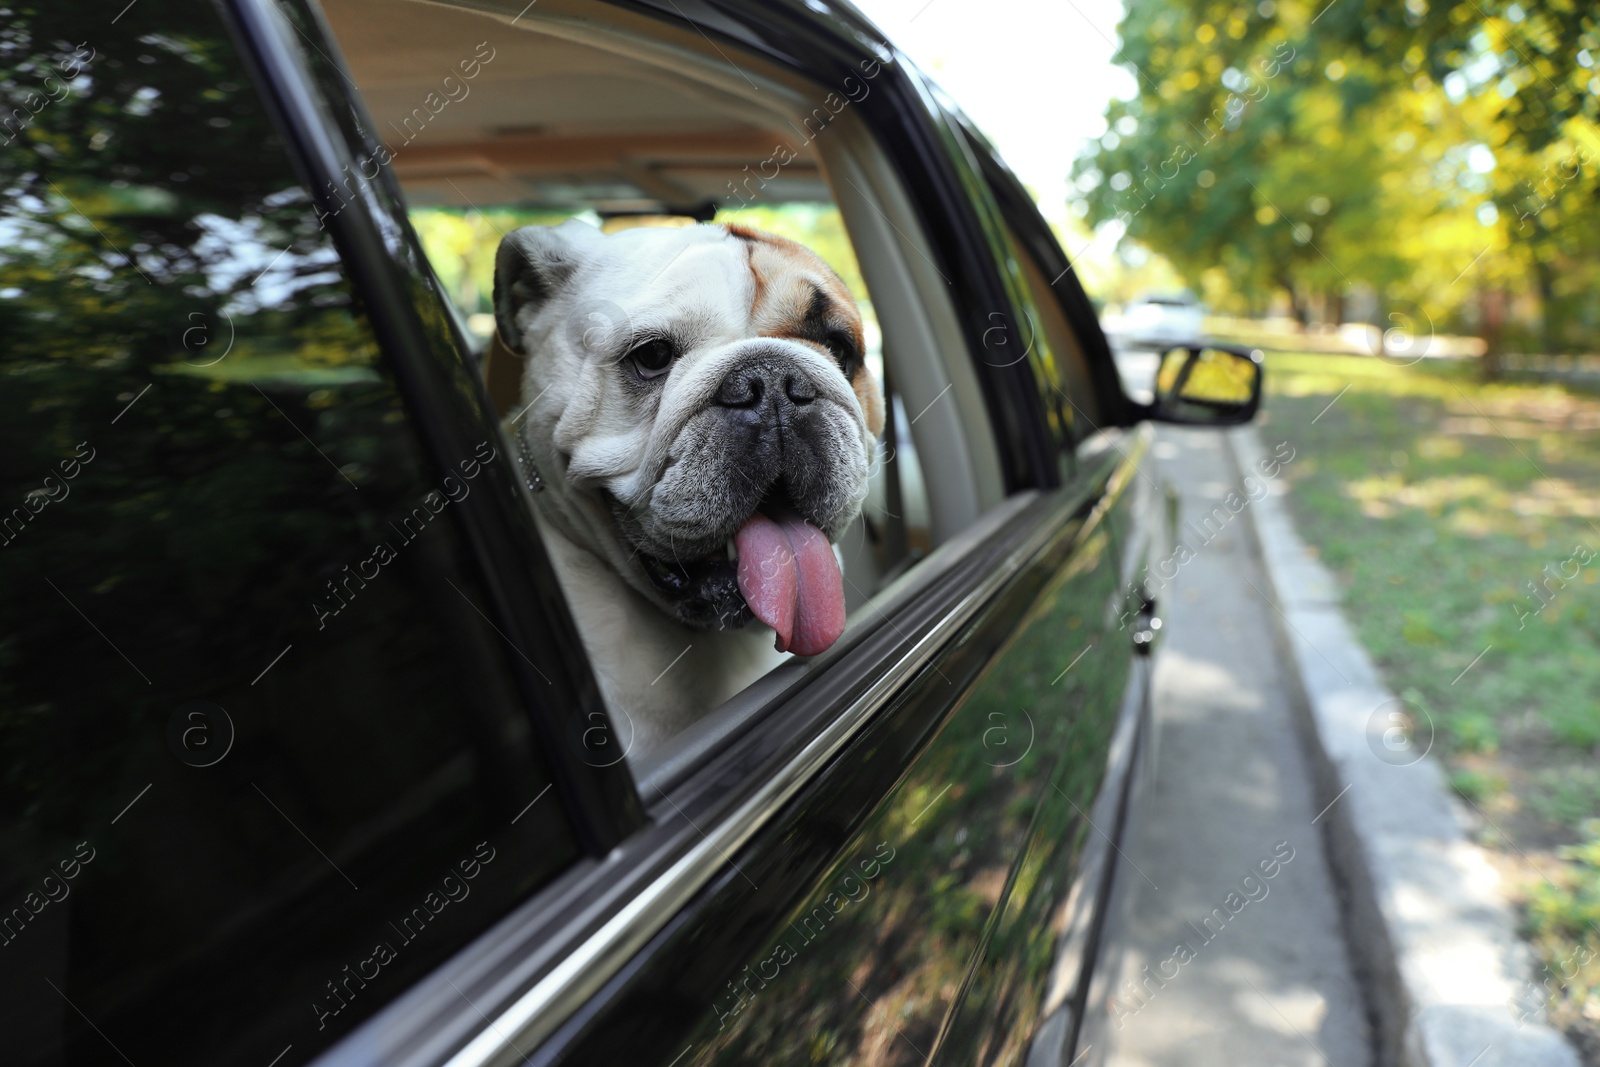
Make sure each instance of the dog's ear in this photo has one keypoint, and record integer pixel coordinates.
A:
(531, 265)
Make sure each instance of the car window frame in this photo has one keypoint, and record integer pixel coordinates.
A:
(1021, 216)
(972, 271)
(283, 549)
(448, 406)
(545, 958)
(932, 308)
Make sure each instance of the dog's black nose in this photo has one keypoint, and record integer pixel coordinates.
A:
(799, 388)
(765, 389)
(744, 388)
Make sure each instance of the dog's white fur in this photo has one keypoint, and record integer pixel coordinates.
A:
(657, 676)
(607, 444)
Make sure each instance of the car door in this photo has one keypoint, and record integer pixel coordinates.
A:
(892, 865)
(904, 905)
(269, 749)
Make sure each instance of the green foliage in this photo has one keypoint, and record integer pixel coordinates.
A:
(1566, 795)
(1473, 733)
(1363, 150)
(1563, 918)
(461, 243)
(1572, 909)
(1436, 555)
(1438, 502)
(1578, 725)
(1475, 785)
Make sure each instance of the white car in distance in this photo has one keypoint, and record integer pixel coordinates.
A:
(1159, 319)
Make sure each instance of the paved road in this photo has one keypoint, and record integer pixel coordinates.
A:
(1243, 968)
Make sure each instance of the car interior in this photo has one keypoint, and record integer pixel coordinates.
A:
(575, 109)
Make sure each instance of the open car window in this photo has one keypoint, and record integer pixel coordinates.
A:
(534, 116)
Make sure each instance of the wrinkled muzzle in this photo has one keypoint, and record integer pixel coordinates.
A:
(769, 466)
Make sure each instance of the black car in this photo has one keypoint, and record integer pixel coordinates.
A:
(273, 795)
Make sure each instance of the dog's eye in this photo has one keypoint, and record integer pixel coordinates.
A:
(844, 350)
(653, 358)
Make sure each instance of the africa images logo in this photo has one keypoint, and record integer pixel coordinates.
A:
(453, 888)
(851, 888)
(411, 527)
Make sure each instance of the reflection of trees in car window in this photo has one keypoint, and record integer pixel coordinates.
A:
(1218, 376)
(938, 923)
(199, 447)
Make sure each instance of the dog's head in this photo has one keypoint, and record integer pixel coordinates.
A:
(700, 412)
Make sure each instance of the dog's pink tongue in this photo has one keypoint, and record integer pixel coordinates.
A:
(790, 578)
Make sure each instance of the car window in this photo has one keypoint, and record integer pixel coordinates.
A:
(461, 242)
(1066, 378)
(538, 124)
(264, 764)
(1077, 400)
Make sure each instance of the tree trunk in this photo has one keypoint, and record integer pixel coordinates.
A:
(1297, 307)
(1336, 308)
(1544, 278)
(1380, 322)
(1493, 303)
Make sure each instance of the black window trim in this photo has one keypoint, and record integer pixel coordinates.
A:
(1021, 214)
(528, 608)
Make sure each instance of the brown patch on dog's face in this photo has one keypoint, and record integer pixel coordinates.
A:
(798, 296)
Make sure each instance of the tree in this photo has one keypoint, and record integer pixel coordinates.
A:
(1335, 149)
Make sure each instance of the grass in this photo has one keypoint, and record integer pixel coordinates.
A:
(1462, 520)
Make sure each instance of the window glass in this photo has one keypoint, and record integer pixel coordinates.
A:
(261, 767)
(895, 523)
(1008, 342)
(1066, 373)
(495, 124)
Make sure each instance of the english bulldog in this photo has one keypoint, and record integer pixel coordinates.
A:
(697, 421)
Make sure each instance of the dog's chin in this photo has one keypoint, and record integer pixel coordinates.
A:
(701, 594)
(774, 565)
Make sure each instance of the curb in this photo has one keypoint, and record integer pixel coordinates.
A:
(1429, 924)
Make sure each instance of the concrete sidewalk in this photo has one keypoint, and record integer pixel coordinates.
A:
(1447, 980)
(1224, 945)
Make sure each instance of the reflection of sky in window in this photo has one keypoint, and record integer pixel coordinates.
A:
(24, 235)
(250, 259)
(13, 237)
(253, 261)
(142, 102)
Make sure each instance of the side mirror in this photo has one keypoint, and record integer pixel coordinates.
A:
(1207, 385)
